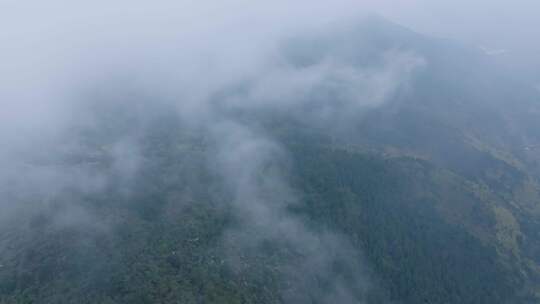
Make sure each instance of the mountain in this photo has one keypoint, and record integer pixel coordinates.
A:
(368, 164)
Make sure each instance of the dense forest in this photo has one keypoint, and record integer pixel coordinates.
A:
(417, 200)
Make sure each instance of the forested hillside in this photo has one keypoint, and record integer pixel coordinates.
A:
(331, 191)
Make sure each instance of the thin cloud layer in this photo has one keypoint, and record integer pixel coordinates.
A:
(72, 69)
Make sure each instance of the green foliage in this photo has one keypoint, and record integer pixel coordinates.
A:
(163, 242)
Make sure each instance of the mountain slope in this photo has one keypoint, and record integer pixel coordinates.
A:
(336, 182)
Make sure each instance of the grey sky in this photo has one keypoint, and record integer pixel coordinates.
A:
(495, 24)
(502, 23)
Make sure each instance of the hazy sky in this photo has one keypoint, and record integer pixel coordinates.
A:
(499, 22)
(493, 24)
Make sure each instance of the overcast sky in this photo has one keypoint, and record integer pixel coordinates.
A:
(502, 23)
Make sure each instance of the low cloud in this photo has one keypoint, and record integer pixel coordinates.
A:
(82, 82)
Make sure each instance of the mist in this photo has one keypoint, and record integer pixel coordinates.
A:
(84, 87)
(61, 59)
(52, 51)
(101, 70)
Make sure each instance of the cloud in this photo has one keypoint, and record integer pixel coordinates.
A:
(82, 80)
(255, 169)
